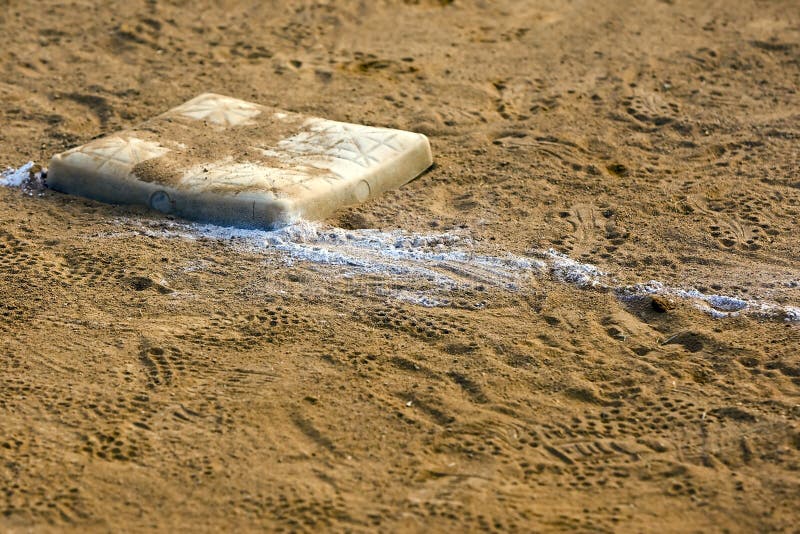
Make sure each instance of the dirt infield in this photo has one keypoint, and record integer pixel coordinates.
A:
(580, 319)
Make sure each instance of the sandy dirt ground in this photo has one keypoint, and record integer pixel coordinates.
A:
(157, 375)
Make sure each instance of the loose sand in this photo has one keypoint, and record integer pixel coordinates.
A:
(443, 371)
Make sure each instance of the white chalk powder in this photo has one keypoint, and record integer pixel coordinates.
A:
(16, 177)
(445, 261)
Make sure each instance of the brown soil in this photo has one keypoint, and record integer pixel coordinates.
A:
(656, 139)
